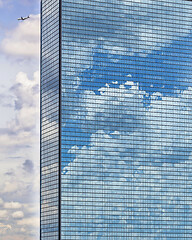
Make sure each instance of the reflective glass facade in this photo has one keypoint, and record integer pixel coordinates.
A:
(50, 120)
(116, 101)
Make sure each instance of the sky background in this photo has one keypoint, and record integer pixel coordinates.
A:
(19, 121)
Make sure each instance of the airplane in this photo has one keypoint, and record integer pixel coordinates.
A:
(23, 18)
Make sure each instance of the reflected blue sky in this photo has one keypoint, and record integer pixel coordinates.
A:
(167, 71)
(126, 120)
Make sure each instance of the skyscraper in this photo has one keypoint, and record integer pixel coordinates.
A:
(116, 119)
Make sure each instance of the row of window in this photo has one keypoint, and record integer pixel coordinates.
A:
(49, 90)
(101, 5)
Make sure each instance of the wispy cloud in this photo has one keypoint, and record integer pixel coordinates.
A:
(19, 130)
(1, 3)
(19, 189)
(28, 166)
(4, 228)
(12, 205)
(3, 214)
(126, 162)
(18, 215)
(19, 145)
(19, 219)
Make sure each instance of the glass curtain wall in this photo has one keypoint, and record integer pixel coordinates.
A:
(126, 141)
(50, 120)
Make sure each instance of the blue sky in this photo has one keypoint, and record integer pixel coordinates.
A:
(19, 122)
(12, 9)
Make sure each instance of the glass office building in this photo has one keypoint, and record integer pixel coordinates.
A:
(116, 119)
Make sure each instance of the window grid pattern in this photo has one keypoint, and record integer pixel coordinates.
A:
(50, 120)
(126, 120)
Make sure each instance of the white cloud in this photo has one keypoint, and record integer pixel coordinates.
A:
(32, 222)
(24, 89)
(12, 205)
(143, 162)
(19, 144)
(109, 183)
(97, 112)
(4, 228)
(24, 41)
(3, 214)
(18, 215)
(19, 133)
(22, 188)
(140, 36)
(10, 186)
(22, 129)
(1, 202)
(23, 230)
(31, 208)
(1, 3)
(104, 115)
